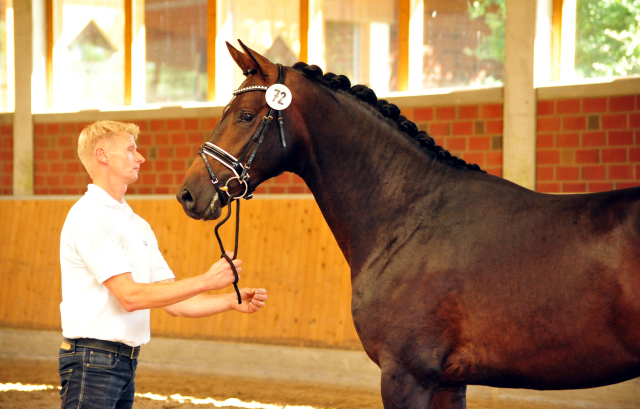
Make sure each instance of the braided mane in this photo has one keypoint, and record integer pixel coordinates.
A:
(390, 111)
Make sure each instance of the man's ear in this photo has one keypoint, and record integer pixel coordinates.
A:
(101, 155)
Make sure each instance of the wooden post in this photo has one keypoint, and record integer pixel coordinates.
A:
(304, 31)
(211, 49)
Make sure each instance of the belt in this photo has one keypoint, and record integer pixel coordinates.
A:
(109, 346)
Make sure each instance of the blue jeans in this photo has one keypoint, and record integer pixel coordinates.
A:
(96, 379)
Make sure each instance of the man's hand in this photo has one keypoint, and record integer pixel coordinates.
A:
(252, 300)
(220, 275)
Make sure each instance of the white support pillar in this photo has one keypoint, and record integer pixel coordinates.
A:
(519, 140)
(416, 44)
(22, 117)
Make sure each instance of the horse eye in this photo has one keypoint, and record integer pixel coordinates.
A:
(247, 117)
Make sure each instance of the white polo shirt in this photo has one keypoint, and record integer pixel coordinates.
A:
(102, 238)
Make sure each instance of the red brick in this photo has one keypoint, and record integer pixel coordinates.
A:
(614, 121)
(52, 129)
(626, 185)
(161, 165)
(53, 154)
(64, 141)
(634, 120)
(162, 190)
(439, 129)
(179, 165)
(297, 179)
(634, 154)
(41, 142)
(6, 155)
(594, 105)
(574, 187)
(423, 114)
(621, 172)
(587, 156)
(38, 129)
(574, 123)
(68, 180)
(69, 128)
(209, 123)
(544, 173)
(166, 179)
(568, 140)
(545, 141)
(546, 108)
(600, 187)
(594, 139)
(567, 173)
(494, 159)
(69, 154)
(614, 155)
(195, 138)
(549, 124)
(149, 178)
(41, 167)
(56, 191)
(73, 167)
(456, 144)
(569, 106)
(408, 113)
(165, 152)
(7, 143)
(157, 125)
(53, 180)
(145, 190)
(57, 167)
(548, 157)
(462, 128)
(620, 138)
(182, 152)
(161, 139)
(261, 190)
(445, 113)
(548, 187)
(174, 124)
(39, 154)
(191, 124)
(494, 127)
(276, 189)
(295, 189)
(144, 139)
(40, 180)
(468, 112)
(477, 158)
(178, 138)
(624, 103)
(637, 171)
(491, 111)
(6, 130)
(482, 143)
(142, 125)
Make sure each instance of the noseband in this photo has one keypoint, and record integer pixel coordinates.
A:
(240, 171)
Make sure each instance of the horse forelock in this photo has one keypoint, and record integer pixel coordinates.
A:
(382, 110)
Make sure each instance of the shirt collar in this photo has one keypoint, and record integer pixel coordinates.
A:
(100, 194)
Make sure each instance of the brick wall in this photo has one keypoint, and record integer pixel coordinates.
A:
(588, 144)
(471, 132)
(168, 145)
(6, 160)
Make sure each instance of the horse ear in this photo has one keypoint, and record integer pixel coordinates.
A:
(245, 63)
(262, 64)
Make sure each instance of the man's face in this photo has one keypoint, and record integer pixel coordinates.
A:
(124, 159)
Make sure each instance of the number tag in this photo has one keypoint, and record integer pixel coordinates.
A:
(278, 97)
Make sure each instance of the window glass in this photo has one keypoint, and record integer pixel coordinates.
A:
(176, 50)
(607, 38)
(88, 54)
(463, 43)
(361, 41)
(270, 28)
(6, 56)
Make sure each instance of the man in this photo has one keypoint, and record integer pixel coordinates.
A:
(113, 273)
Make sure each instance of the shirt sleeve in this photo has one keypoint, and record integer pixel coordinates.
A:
(100, 247)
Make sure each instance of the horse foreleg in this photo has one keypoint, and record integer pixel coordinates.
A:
(450, 398)
(401, 389)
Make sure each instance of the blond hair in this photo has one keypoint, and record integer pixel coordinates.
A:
(98, 131)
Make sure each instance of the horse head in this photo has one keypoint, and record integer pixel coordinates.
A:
(248, 145)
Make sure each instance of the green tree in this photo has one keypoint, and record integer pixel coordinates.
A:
(608, 38)
(494, 13)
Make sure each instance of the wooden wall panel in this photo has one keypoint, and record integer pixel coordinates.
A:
(285, 245)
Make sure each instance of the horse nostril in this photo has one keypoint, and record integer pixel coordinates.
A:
(186, 198)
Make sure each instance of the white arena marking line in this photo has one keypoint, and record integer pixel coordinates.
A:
(5, 387)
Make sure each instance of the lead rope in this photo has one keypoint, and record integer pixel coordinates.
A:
(235, 252)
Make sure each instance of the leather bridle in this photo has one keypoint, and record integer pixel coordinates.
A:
(240, 171)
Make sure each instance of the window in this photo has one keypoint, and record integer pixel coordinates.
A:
(463, 43)
(176, 50)
(270, 28)
(88, 54)
(607, 40)
(361, 41)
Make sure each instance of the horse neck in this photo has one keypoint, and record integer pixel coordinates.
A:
(363, 172)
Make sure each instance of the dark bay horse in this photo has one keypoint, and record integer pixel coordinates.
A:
(459, 277)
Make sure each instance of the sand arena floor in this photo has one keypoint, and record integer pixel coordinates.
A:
(221, 388)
